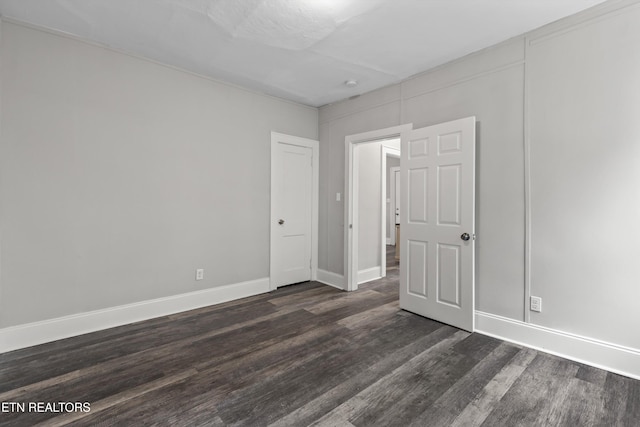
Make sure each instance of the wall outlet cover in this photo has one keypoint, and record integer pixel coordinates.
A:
(536, 304)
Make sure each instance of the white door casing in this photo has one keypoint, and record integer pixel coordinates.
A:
(437, 169)
(294, 209)
(395, 202)
(351, 211)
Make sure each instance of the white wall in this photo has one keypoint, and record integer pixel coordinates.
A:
(369, 205)
(119, 177)
(369, 155)
(572, 90)
(369, 168)
(584, 104)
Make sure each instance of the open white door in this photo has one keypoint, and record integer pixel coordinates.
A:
(437, 222)
(294, 190)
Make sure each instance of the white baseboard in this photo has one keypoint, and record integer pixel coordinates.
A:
(21, 336)
(331, 279)
(611, 357)
(369, 274)
(388, 241)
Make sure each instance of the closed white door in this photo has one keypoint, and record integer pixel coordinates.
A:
(292, 180)
(437, 222)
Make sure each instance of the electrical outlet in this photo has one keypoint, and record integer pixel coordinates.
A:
(200, 274)
(536, 304)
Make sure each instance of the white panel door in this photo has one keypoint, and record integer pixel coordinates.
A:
(291, 214)
(437, 222)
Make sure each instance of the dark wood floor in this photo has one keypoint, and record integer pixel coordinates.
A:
(309, 355)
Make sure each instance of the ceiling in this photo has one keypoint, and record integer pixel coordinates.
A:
(302, 50)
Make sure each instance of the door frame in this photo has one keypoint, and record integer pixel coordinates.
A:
(351, 211)
(280, 138)
(384, 152)
(393, 196)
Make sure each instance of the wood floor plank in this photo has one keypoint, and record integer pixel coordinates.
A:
(329, 400)
(278, 352)
(305, 298)
(592, 375)
(577, 403)
(271, 399)
(615, 396)
(368, 317)
(387, 391)
(119, 398)
(631, 415)
(332, 421)
(342, 312)
(182, 401)
(447, 407)
(475, 413)
(346, 300)
(419, 392)
(529, 401)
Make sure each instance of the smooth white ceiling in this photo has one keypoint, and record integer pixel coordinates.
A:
(302, 50)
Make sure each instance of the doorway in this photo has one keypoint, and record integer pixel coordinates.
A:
(354, 275)
(436, 242)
